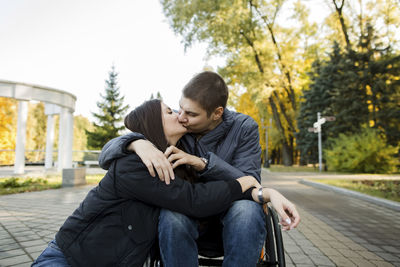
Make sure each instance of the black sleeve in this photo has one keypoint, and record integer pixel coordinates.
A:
(133, 181)
(247, 194)
(116, 148)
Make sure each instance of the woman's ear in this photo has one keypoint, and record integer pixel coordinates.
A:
(218, 112)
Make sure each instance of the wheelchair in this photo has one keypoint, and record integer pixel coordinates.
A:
(272, 253)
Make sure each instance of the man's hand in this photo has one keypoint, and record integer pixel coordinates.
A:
(153, 158)
(290, 218)
(178, 157)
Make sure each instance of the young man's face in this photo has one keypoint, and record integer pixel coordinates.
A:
(194, 117)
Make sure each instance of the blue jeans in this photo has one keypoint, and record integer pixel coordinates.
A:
(243, 236)
(52, 256)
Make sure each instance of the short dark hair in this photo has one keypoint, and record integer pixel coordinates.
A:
(147, 120)
(208, 89)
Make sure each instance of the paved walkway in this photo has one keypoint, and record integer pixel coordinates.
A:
(336, 230)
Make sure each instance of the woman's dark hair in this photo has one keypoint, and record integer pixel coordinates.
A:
(147, 120)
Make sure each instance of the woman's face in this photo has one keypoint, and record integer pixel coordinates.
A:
(173, 129)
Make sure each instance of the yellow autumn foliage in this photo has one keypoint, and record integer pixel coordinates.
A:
(8, 126)
(246, 106)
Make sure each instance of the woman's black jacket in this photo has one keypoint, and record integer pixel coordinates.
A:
(116, 224)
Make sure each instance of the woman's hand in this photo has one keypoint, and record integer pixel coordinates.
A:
(154, 159)
(178, 157)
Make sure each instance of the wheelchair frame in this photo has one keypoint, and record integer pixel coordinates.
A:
(273, 253)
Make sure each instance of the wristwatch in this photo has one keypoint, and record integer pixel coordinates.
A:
(205, 161)
(260, 195)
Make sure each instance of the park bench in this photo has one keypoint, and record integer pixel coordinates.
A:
(89, 163)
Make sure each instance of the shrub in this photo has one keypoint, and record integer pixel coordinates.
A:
(15, 183)
(366, 152)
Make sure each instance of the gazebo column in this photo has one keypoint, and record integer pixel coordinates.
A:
(68, 139)
(50, 110)
(61, 139)
(65, 139)
(19, 166)
(49, 142)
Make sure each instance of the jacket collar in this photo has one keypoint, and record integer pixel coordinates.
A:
(221, 130)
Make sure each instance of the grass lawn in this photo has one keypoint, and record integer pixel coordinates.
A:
(19, 185)
(294, 168)
(387, 189)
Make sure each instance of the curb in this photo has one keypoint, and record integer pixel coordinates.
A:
(378, 201)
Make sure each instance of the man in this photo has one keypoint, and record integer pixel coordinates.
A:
(228, 144)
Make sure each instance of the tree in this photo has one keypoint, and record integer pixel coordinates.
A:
(8, 129)
(81, 124)
(263, 57)
(360, 88)
(110, 114)
(36, 132)
(158, 96)
(350, 19)
(269, 53)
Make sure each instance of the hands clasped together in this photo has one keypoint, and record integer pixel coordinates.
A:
(164, 163)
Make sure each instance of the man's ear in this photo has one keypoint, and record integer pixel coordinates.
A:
(217, 114)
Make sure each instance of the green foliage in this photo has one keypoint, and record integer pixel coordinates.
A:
(358, 88)
(314, 100)
(389, 188)
(269, 47)
(14, 182)
(19, 184)
(110, 115)
(366, 152)
(265, 58)
(81, 124)
(158, 96)
(36, 132)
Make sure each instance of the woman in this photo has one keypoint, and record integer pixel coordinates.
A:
(116, 224)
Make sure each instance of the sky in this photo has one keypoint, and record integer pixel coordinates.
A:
(71, 45)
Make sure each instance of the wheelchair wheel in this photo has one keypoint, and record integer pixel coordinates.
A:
(273, 254)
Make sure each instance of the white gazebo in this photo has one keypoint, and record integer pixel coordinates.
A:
(56, 102)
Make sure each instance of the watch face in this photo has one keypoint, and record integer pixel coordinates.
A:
(260, 195)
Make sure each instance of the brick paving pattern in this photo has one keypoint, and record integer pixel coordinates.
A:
(345, 231)
(335, 230)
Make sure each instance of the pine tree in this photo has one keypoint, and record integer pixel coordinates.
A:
(157, 97)
(360, 88)
(381, 82)
(318, 98)
(110, 114)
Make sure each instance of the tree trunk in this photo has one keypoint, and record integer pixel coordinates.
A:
(339, 10)
(288, 158)
(287, 154)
